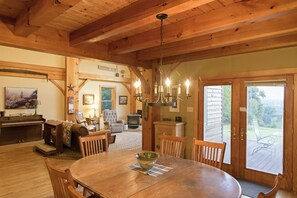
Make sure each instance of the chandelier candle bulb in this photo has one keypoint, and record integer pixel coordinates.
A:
(167, 82)
(187, 87)
(179, 89)
(156, 89)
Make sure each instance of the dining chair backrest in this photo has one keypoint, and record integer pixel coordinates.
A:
(272, 193)
(211, 153)
(172, 145)
(58, 179)
(93, 144)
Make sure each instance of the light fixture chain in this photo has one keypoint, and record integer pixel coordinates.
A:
(161, 44)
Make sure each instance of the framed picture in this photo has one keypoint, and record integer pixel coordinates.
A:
(20, 98)
(123, 100)
(88, 99)
(175, 106)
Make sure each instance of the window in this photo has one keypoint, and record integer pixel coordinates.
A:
(107, 98)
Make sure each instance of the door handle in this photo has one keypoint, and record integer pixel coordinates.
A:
(234, 133)
(241, 134)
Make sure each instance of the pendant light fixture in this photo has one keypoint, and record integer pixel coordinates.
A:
(161, 98)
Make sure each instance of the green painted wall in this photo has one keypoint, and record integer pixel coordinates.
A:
(265, 60)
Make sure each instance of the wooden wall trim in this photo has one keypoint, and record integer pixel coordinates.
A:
(196, 107)
(289, 158)
(54, 73)
(83, 84)
(58, 86)
(294, 182)
(127, 87)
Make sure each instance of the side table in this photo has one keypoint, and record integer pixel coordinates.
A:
(51, 126)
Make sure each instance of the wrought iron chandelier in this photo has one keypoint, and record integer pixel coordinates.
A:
(161, 98)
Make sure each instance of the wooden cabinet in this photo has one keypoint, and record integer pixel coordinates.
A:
(168, 128)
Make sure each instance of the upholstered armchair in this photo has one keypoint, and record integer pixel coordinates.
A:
(110, 118)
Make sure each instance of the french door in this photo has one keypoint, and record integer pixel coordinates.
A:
(253, 117)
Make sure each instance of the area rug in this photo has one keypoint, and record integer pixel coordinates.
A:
(67, 154)
(251, 189)
(124, 141)
(127, 141)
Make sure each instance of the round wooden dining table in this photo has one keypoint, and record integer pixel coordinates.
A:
(110, 175)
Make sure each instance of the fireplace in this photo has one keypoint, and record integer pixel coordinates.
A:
(133, 120)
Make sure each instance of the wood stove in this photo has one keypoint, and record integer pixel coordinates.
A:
(133, 121)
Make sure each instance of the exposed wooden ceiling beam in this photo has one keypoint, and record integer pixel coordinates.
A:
(7, 19)
(266, 44)
(265, 29)
(42, 12)
(56, 42)
(139, 75)
(131, 17)
(231, 16)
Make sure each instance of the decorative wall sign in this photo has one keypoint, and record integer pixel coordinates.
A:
(107, 68)
(20, 98)
(123, 100)
(88, 99)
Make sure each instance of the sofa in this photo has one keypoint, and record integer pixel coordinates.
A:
(67, 133)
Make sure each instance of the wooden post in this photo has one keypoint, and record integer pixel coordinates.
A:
(132, 92)
(148, 131)
(71, 86)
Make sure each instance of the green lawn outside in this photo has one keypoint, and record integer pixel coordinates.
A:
(265, 131)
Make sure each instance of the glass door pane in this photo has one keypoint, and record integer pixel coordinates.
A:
(265, 118)
(217, 116)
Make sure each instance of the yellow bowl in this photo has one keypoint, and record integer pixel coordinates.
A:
(147, 160)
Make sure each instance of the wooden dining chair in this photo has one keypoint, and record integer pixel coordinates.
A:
(172, 145)
(72, 192)
(211, 153)
(272, 193)
(86, 192)
(58, 179)
(94, 144)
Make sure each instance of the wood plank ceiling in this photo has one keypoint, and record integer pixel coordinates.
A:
(127, 31)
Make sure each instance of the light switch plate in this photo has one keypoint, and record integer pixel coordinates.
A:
(190, 109)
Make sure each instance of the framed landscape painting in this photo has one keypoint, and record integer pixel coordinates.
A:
(88, 99)
(20, 98)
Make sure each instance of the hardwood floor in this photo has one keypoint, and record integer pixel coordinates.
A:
(23, 173)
